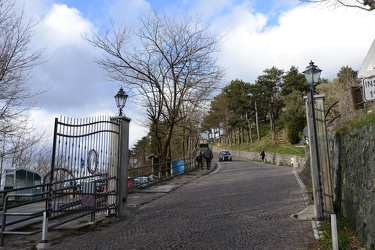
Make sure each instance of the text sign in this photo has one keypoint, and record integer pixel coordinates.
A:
(369, 88)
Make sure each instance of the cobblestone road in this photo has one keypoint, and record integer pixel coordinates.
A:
(241, 205)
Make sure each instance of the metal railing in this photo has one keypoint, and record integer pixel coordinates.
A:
(67, 197)
(13, 199)
(149, 175)
(64, 204)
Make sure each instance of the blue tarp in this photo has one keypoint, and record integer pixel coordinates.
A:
(178, 167)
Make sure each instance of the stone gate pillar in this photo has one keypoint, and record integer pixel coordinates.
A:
(324, 154)
(323, 186)
(122, 169)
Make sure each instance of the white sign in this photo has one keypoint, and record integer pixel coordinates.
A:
(369, 88)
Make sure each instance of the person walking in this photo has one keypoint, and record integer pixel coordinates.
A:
(199, 159)
(208, 156)
(262, 155)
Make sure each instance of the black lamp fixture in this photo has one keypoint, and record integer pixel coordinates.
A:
(312, 74)
(121, 100)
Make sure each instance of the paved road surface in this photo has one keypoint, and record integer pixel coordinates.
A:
(240, 205)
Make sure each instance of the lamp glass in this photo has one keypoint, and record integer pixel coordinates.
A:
(312, 74)
(121, 98)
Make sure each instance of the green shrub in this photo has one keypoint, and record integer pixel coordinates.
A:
(292, 134)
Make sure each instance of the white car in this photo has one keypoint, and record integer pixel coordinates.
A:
(142, 180)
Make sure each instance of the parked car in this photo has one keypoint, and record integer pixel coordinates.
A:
(142, 180)
(225, 155)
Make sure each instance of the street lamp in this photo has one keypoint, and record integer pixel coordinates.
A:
(121, 100)
(312, 74)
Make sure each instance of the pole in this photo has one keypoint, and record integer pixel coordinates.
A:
(238, 140)
(335, 244)
(50, 186)
(45, 228)
(256, 120)
(314, 149)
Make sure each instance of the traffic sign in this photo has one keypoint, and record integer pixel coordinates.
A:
(368, 85)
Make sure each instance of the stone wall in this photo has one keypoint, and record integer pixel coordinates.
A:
(352, 162)
(273, 158)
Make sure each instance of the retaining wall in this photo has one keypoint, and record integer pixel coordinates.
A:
(352, 162)
(273, 158)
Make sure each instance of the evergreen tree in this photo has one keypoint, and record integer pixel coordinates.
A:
(294, 81)
(294, 117)
(270, 83)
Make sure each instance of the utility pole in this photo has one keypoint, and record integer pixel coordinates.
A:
(256, 120)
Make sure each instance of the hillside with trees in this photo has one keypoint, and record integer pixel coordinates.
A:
(274, 105)
(268, 114)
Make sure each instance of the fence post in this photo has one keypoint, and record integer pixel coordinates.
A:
(45, 228)
(122, 168)
(335, 244)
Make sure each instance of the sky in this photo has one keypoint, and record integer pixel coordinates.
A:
(257, 35)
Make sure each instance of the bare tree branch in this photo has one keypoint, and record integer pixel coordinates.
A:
(16, 61)
(167, 61)
(367, 5)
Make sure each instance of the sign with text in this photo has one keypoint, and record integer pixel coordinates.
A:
(369, 88)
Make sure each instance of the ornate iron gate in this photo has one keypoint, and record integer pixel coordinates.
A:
(83, 176)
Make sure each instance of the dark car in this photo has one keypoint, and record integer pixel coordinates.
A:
(225, 155)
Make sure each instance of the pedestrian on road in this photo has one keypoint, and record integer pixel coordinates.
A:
(199, 159)
(262, 155)
(208, 156)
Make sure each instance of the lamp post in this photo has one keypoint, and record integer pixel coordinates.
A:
(120, 98)
(312, 74)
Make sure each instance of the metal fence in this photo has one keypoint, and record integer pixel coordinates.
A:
(83, 173)
(71, 192)
(83, 179)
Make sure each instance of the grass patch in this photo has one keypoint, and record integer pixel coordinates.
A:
(267, 145)
(356, 121)
(347, 238)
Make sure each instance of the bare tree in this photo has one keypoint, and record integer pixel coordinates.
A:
(170, 64)
(189, 128)
(16, 61)
(368, 5)
(41, 158)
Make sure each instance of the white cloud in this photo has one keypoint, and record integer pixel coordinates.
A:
(75, 86)
(330, 38)
(64, 26)
(78, 88)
